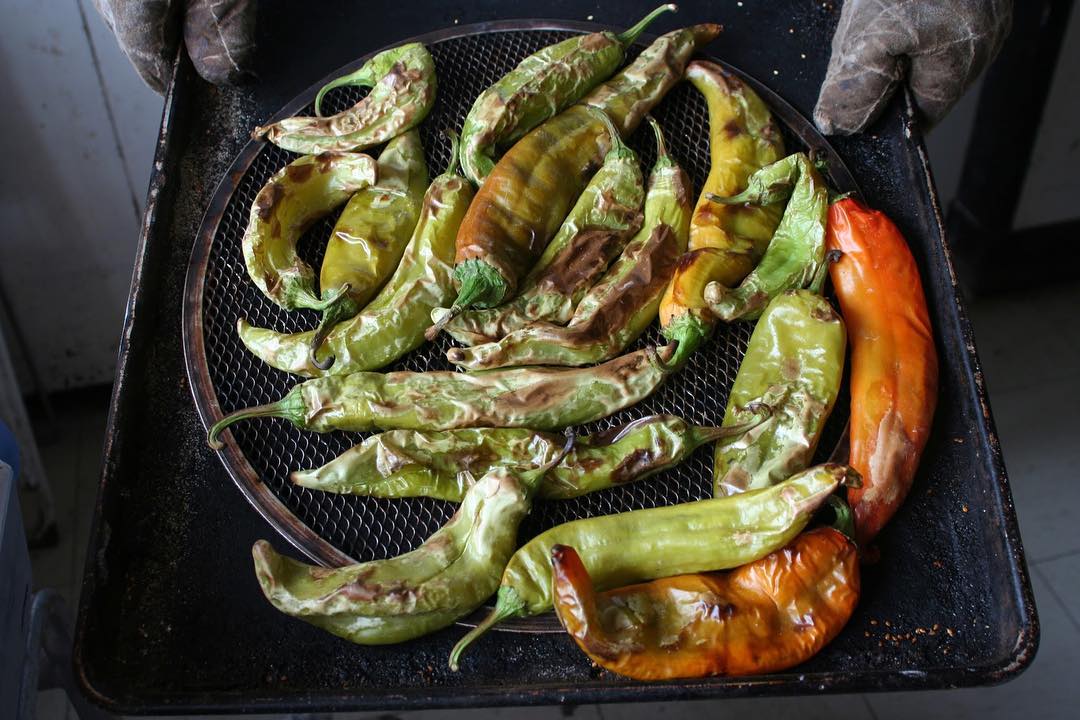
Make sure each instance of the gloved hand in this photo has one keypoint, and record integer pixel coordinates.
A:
(943, 44)
(219, 35)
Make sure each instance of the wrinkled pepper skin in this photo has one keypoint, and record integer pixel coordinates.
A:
(533, 186)
(794, 364)
(372, 231)
(542, 85)
(603, 219)
(628, 547)
(394, 323)
(402, 82)
(623, 303)
(390, 601)
(894, 366)
(796, 252)
(726, 241)
(302, 192)
(444, 465)
(769, 615)
(539, 398)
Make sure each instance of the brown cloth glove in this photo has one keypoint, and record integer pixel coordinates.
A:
(944, 44)
(219, 35)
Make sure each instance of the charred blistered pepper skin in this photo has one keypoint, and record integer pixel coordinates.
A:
(623, 303)
(444, 465)
(769, 615)
(402, 82)
(539, 398)
(394, 323)
(390, 601)
(542, 85)
(894, 366)
(794, 364)
(628, 547)
(302, 192)
(533, 186)
(795, 254)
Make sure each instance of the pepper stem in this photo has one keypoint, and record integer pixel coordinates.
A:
(689, 332)
(455, 151)
(507, 605)
(628, 36)
(359, 78)
(618, 147)
(275, 409)
(304, 299)
(817, 283)
(844, 520)
(709, 434)
(343, 307)
(661, 145)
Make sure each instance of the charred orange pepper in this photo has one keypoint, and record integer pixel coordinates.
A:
(894, 368)
(766, 616)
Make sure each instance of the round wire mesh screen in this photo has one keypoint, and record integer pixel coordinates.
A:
(331, 527)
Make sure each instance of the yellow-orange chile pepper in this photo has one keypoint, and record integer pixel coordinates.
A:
(726, 241)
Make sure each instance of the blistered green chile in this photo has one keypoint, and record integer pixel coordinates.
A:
(794, 364)
(444, 465)
(622, 305)
(541, 86)
(603, 219)
(797, 249)
(402, 82)
(394, 322)
(446, 578)
(539, 398)
(629, 547)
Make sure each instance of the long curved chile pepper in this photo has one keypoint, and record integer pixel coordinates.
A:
(628, 547)
(402, 82)
(540, 398)
(363, 250)
(794, 364)
(534, 185)
(623, 303)
(797, 249)
(603, 219)
(296, 196)
(394, 322)
(542, 85)
(726, 241)
(444, 465)
(769, 615)
(894, 366)
(390, 601)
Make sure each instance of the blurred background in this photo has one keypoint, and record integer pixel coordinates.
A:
(78, 133)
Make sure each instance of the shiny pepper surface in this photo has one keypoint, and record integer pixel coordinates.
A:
(402, 82)
(394, 323)
(794, 364)
(706, 535)
(541, 85)
(302, 192)
(894, 366)
(769, 615)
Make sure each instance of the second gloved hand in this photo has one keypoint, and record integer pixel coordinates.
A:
(944, 43)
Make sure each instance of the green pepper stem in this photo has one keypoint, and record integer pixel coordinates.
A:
(627, 37)
(710, 434)
(689, 332)
(455, 152)
(507, 605)
(844, 520)
(662, 156)
(304, 299)
(817, 283)
(618, 147)
(359, 79)
(342, 308)
(275, 409)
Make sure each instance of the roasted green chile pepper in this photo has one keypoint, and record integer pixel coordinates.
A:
(794, 364)
(402, 82)
(533, 186)
(302, 192)
(601, 222)
(390, 601)
(796, 252)
(706, 535)
(394, 323)
(542, 85)
(444, 465)
(625, 301)
(540, 398)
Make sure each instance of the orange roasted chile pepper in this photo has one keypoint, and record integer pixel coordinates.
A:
(894, 368)
(766, 616)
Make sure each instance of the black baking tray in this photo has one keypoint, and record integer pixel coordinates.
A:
(171, 618)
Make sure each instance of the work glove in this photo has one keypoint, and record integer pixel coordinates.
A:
(219, 35)
(942, 46)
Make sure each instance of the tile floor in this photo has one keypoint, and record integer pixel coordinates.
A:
(1030, 348)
